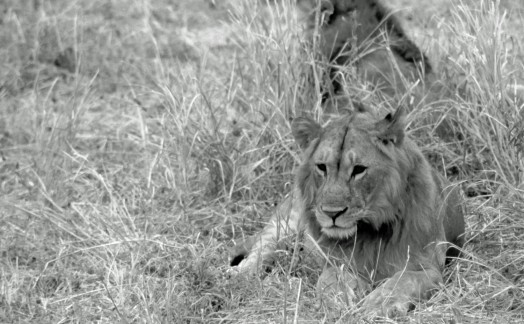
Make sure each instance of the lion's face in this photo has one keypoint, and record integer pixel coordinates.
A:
(350, 172)
(348, 176)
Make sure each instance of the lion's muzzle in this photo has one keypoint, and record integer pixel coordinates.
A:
(333, 212)
(336, 221)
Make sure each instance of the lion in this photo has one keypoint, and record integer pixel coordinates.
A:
(369, 34)
(369, 200)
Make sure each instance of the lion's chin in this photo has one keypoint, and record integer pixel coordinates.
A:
(340, 232)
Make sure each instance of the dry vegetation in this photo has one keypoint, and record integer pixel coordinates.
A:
(140, 139)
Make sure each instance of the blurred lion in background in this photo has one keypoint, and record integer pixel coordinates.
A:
(369, 35)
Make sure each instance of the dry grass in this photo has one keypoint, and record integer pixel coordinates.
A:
(138, 139)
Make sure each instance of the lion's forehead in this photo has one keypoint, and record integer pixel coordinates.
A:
(347, 144)
(331, 144)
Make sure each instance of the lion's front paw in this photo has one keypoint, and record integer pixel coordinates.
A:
(246, 266)
(233, 271)
(384, 302)
(241, 260)
(338, 286)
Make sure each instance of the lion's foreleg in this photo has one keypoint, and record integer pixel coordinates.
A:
(338, 285)
(284, 222)
(398, 294)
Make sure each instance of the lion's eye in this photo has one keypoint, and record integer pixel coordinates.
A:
(358, 169)
(321, 167)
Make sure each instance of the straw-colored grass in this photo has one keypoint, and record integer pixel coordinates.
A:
(139, 140)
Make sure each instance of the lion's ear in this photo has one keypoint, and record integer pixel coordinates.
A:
(391, 128)
(304, 131)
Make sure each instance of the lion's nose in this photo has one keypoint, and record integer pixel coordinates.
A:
(333, 212)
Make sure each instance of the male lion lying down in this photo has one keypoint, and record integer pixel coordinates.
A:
(368, 197)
